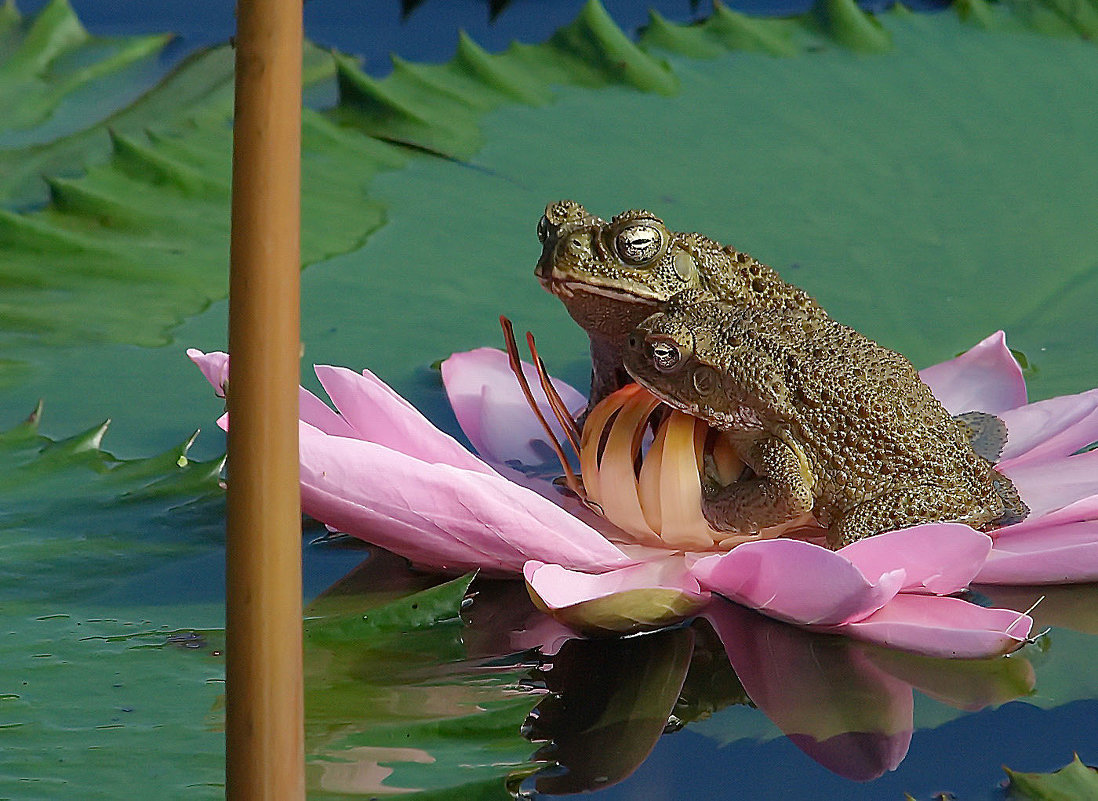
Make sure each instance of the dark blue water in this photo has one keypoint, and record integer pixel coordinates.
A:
(964, 757)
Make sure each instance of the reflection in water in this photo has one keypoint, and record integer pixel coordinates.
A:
(847, 705)
(609, 701)
(602, 704)
(823, 691)
(364, 770)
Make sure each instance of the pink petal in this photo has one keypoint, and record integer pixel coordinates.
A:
(378, 414)
(312, 410)
(558, 587)
(1085, 509)
(796, 581)
(822, 691)
(318, 414)
(1050, 429)
(1046, 486)
(439, 515)
(985, 378)
(939, 558)
(1057, 548)
(492, 410)
(633, 598)
(215, 366)
(943, 627)
(315, 412)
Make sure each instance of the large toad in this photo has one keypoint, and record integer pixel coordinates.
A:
(827, 420)
(612, 275)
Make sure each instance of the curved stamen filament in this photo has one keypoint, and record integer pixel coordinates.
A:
(564, 417)
(571, 480)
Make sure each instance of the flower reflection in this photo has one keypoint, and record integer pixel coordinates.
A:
(847, 705)
(603, 704)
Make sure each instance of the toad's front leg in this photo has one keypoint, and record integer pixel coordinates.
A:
(780, 491)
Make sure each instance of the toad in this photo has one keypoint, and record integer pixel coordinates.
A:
(826, 420)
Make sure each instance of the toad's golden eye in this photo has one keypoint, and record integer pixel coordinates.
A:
(639, 243)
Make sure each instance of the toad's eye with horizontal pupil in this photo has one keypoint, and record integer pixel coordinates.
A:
(543, 229)
(665, 356)
(638, 244)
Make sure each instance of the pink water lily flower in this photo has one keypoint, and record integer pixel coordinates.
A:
(378, 470)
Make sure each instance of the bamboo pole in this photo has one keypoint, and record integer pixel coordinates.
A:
(264, 739)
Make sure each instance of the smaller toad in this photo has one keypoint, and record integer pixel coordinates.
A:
(827, 420)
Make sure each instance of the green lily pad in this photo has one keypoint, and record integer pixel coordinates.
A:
(72, 510)
(73, 89)
(152, 226)
(1073, 782)
(52, 60)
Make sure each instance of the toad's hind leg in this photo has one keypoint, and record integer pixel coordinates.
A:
(903, 507)
(781, 491)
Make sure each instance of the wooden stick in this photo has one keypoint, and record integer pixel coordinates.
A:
(264, 740)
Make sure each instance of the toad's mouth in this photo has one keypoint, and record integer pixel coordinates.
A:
(567, 290)
(740, 418)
